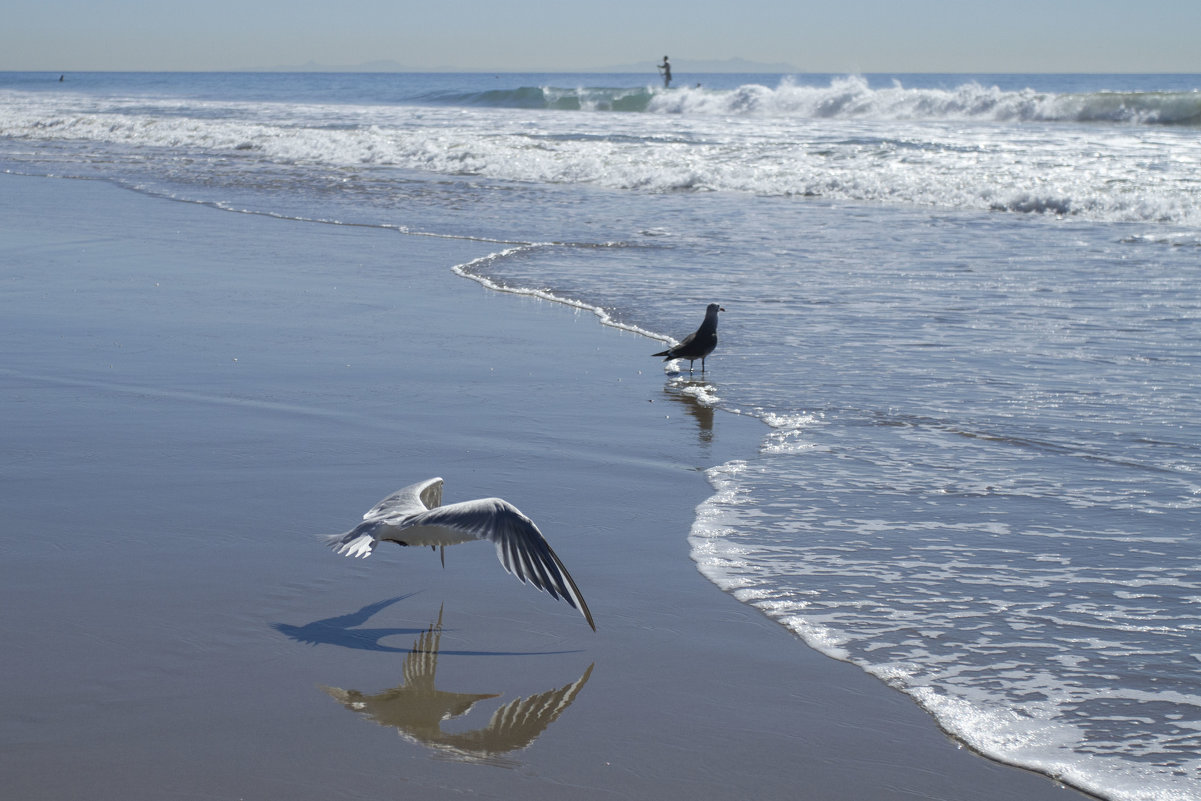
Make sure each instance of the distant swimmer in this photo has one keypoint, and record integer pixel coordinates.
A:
(665, 69)
(699, 344)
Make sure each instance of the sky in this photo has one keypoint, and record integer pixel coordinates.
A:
(839, 36)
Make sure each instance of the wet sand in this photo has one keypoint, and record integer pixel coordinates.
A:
(192, 397)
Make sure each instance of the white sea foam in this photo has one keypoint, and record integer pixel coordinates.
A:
(702, 393)
(476, 271)
(788, 433)
(972, 147)
(853, 97)
(955, 611)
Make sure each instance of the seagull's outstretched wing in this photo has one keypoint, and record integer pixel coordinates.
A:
(520, 546)
(391, 511)
(414, 498)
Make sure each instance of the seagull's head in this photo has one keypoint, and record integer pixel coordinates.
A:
(713, 309)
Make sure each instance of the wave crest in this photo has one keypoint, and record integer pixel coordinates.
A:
(852, 97)
(550, 98)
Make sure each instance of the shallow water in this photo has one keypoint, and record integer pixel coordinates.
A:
(967, 308)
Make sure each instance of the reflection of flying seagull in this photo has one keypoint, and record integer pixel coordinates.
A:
(415, 516)
(417, 708)
(699, 344)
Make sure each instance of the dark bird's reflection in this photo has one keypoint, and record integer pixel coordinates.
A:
(694, 395)
(417, 708)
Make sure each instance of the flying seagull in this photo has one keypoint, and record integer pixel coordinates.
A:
(415, 516)
(699, 344)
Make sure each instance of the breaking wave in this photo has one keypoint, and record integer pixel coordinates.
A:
(853, 98)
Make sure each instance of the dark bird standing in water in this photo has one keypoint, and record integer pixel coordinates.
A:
(699, 344)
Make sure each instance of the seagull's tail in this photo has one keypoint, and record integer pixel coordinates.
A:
(666, 353)
(353, 543)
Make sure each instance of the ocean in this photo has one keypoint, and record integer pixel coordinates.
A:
(967, 309)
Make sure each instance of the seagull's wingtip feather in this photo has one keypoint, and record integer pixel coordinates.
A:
(360, 546)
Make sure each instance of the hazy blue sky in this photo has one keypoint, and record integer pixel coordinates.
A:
(518, 35)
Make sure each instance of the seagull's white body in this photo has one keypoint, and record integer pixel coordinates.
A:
(415, 516)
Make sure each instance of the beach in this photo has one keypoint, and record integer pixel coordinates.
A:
(193, 397)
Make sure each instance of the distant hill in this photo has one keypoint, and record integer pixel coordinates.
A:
(366, 66)
(679, 66)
